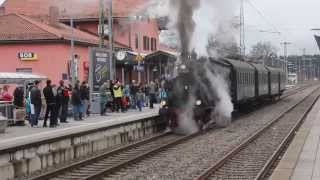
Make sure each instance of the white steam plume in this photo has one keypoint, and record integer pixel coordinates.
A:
(186, 124)
(214, 19)
(198, 22)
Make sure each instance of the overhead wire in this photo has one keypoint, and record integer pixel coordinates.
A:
(262, 15)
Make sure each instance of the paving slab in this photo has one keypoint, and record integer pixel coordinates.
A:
(21, 134)
(302, 159)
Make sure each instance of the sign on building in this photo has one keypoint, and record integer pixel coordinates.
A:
(99, 71)
(27, 56)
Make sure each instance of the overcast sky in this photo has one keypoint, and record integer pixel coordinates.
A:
(293, 18)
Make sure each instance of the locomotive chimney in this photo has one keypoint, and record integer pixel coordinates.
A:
(53, 15)
(2, 10)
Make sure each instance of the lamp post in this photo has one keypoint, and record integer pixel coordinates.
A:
(112, 65)
(73, 65)
(102, 34)
(285, 54)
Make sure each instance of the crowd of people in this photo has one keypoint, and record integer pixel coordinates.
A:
(119, 98)
(54, 100)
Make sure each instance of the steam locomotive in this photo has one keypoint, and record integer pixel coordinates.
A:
(198, 89)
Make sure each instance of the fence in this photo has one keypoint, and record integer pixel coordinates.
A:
(6, 110)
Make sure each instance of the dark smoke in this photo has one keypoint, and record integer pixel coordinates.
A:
(184, 23)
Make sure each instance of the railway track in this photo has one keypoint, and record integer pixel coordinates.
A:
(295, 91)
(253, 158)
(103, 165)
(106, 163)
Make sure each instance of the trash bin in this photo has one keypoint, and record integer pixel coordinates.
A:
(95, 103)
(19, 116)
(3, 123)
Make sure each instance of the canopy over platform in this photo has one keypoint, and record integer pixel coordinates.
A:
(19, 78)
(161, 56)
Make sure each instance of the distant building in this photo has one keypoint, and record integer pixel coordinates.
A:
(35, 37)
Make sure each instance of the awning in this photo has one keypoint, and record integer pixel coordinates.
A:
(132, 57)
(18, 78)
(161, 55)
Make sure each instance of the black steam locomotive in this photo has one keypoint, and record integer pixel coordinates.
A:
(195, 88)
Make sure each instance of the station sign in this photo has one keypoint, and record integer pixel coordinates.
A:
(27, 56)
(138, 68)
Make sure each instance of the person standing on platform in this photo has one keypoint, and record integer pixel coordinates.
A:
(85, 97)
(133, 91)
(6, 96)
(51, 105)
(62, 102)
(77, 103)
(118, 93)
(140, 98)
(103, 98)
(36, 104)
(146, 95)
(18, 96)
(126, 97)
(152, 93)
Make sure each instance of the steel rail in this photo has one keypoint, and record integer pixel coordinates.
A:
(140, 157)
(59, 171)
(284, 143)
(256, 135)
(84, 162)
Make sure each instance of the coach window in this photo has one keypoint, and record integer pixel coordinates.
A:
(243, 78)
(247, 78)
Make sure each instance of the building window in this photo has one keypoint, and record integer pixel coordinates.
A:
(153, 44)
(24, 70)
(64, 76)
(137, 41)
(148, 43)
(145, 43)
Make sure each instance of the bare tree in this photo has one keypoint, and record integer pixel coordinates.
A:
(263, 52)
(221, 49)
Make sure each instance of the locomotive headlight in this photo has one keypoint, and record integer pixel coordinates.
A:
(163, 103)
(198, 102)
(183, 67)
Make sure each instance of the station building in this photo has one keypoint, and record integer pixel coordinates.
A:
(35, 37)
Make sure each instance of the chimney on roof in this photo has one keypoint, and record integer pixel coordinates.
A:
(54, 15)
(2, 10)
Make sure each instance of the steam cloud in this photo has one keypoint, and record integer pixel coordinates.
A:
(197, 23)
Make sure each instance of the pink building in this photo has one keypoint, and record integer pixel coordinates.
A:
(35, 30)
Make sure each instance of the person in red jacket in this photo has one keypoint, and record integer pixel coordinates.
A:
(6, 96)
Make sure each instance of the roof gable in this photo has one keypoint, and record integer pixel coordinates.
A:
(15, 27)
(72, 8)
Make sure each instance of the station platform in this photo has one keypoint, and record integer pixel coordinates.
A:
(25, 150)
(302, 159)
(18, 135)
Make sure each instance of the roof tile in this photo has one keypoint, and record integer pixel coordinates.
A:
(74, 8)
(15, 27)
